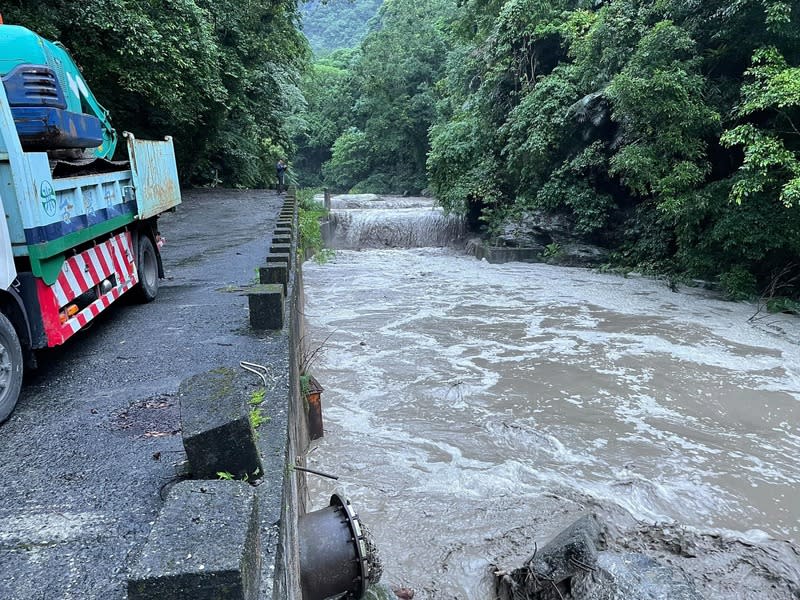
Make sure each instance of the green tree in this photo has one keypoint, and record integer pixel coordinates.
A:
(389, 82)
(219, 77)
(771, 149)
(337, 24)
(329, 98)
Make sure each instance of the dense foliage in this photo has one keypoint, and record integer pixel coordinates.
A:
(220, 77)
(335, 24)
(666, 130)
(370, 108)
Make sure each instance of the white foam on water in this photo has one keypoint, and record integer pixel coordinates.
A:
(479, 382)
(376, 202)
(401, 227)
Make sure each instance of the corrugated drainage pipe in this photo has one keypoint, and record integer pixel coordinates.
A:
(333, 552)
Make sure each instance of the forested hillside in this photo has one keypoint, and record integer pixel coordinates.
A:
(664, 130)
(370, 107)
(221, 77)
(337, 24)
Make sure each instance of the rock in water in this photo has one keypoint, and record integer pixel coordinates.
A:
(551, 572)
(569, 567)
(632, 576)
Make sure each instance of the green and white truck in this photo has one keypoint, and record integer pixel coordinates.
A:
(79, 231)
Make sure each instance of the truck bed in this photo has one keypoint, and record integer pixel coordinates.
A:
(47, 215)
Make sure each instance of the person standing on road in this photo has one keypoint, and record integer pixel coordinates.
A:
(280, 169)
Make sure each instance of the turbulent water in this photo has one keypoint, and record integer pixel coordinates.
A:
(472, 409)
(369, 221)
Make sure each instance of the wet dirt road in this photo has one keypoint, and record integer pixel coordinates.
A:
(95, 435)
(474, 409)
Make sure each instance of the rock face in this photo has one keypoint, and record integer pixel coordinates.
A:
(579, 255)
(572, 566)
(540, 237)
(536, 229)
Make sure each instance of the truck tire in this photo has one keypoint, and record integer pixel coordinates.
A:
(11, 367)
(147, 265)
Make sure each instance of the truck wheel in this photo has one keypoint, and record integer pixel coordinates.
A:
(147, 290)
(11, 367)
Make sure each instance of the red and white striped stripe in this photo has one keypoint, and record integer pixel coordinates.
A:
(79, 274)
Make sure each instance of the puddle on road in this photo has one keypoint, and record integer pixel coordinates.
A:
(461, 396)
(158, 416)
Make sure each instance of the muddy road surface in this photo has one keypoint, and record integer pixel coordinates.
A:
(95, 436)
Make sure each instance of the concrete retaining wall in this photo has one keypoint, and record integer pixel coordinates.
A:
(295, 491)
(253, 410)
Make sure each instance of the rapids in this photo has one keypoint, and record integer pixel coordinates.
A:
(472, 409)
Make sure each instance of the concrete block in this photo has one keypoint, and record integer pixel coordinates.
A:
(503, 254)
(266, 305)
(205, 545)
(215, 425)
(281, 239)
(274, 272)
(280, 257)
(276, 248)
(282, 231)
(285, 223)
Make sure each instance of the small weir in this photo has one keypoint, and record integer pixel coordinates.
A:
(475, 410)
(370, 221)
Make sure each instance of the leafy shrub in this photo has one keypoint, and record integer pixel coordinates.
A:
(738, 284)
(309, 214)
(783, 305)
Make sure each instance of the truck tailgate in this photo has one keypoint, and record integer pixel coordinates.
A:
(155, 176)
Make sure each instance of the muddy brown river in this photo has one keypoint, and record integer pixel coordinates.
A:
(474, 409)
